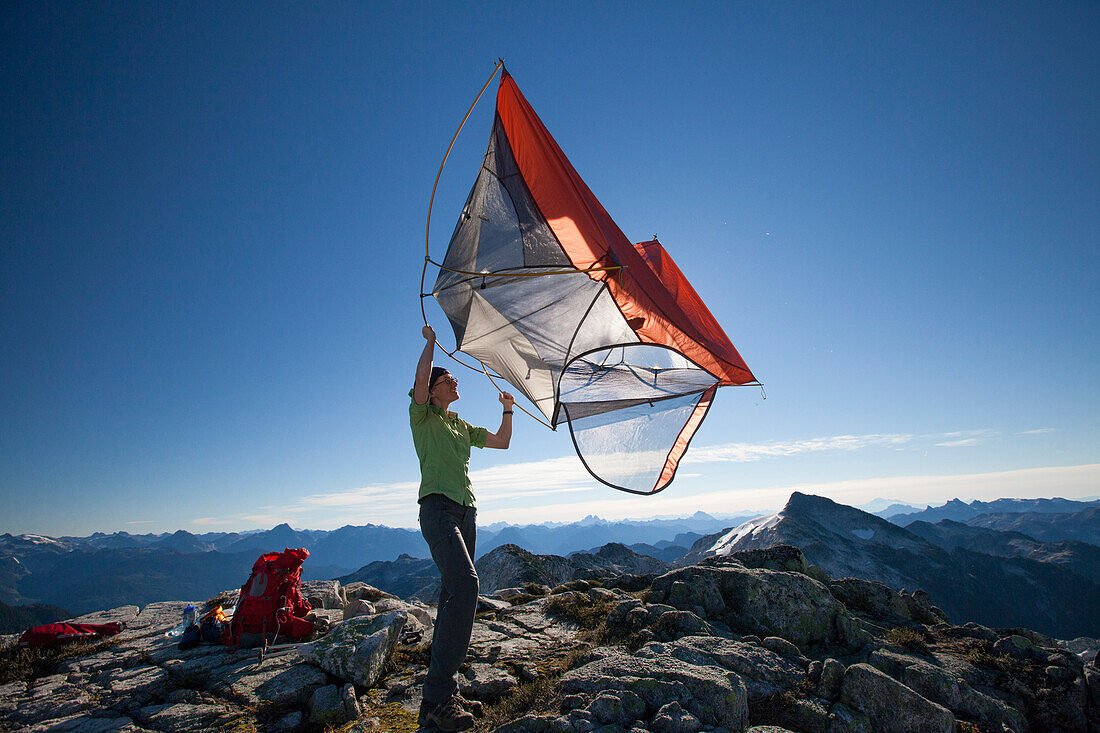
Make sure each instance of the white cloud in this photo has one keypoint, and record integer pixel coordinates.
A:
(560, 489)
(1065, 481)
(745, 452)
(966, 434)
(217, 521)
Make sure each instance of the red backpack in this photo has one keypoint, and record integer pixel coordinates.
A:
(270, 603)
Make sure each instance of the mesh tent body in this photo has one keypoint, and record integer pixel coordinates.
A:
(543, 288)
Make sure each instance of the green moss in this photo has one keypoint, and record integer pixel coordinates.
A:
(579, 608)
(521, 598)
(542, 695)
(908, 639)
(391, 716)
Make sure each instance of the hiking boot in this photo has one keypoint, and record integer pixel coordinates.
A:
(447, 717)
(475, 707)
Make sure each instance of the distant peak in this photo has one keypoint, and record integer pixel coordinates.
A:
(799, 499)
(283, 526)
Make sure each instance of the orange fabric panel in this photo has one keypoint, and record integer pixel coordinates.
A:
(681, 445)
(591, 239)
(693, 308)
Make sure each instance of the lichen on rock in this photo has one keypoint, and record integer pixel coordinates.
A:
(356, 649)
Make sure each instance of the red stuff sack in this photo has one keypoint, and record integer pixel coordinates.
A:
(60, 633)
(270, 603)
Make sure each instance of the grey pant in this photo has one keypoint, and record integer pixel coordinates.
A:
(451, 532)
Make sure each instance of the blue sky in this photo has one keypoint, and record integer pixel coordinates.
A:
(212, 229)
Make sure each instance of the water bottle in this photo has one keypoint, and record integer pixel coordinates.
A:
(187, 620)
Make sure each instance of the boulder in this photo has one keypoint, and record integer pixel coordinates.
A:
(627, 616)
(832, 673)
(672, 718)
(763, 672)
(421, 613)
(333, 705)
(782, 647)
(488, 603)
(767, 602)
(1020, 647)
(357, 649)
(360, 590)
(326, 706)
(891, 706)
(323, 593)
(1092, 682)
(287, 723)
(845, 720)
(602, 594)
(513, 594)
(614, 707)
(777, 557)
(358, 607)
(919, 608)
(674, 624)
(877, 600)
(941, 686)
(712, 695)
(351, 702)
(485, 682)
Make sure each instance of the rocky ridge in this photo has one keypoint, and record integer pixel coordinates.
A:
(991, 589)
(506, 565)
(756, 640)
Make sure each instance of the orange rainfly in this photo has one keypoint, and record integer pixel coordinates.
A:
(543, 288)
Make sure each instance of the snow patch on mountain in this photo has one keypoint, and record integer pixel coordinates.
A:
(750, 528)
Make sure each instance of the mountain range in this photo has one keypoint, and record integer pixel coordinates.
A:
(961, 511)
(1044, 578)
(507, 566)
(998, 581)
(105, 570)
(1080, 557)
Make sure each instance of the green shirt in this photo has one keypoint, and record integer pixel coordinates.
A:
(442, 440)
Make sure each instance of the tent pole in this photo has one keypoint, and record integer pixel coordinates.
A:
(431, 201)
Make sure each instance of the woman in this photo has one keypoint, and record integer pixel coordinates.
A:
(447, 521)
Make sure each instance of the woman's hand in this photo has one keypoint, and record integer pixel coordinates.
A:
(502, 437)
(428, 333)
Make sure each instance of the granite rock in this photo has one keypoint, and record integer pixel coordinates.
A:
(356, 649)
(891, 706)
